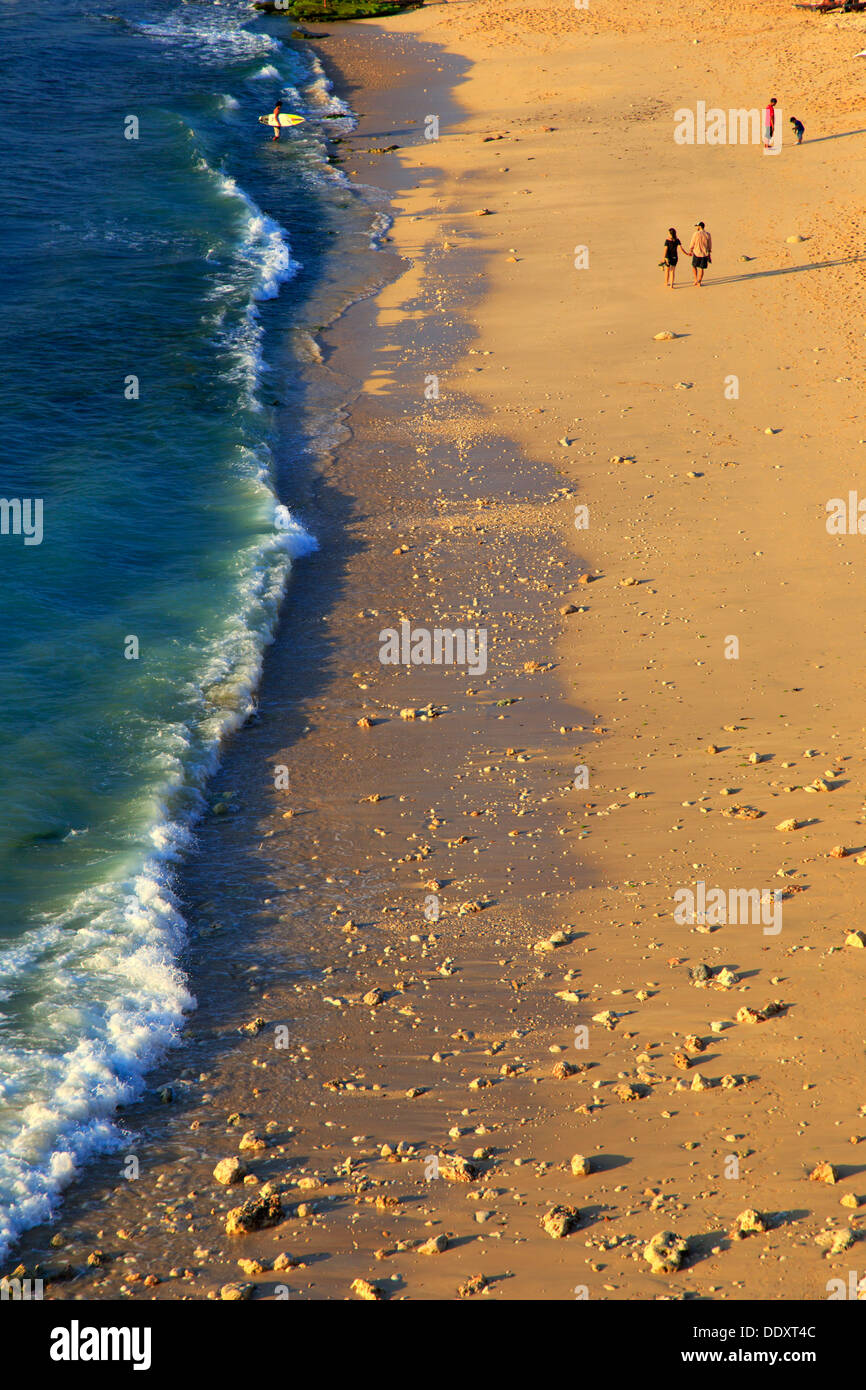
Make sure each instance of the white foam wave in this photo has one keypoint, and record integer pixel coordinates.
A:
(379, 229)
(267, 72)
(320, 94)
(265, 243)
(129, 1002)
(264, 260)
(218, 38)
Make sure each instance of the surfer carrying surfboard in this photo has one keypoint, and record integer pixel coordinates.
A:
(277, 121)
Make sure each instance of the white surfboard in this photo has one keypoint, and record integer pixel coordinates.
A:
(288, 119)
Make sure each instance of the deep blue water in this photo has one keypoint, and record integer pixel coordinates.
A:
(170, 259)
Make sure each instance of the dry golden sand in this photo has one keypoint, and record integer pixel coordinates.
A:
(722, 525)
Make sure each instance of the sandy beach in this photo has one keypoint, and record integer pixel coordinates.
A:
(452, 1025)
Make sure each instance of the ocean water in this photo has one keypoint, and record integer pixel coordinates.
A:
(148, 290)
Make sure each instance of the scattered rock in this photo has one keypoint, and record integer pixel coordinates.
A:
(229, 1171)
(252, 1143)
(824, 1172)
(561, 937)
(747, 1015)
(560, 1221)
(255, 1214)
(835, 1242)
(606, 1018)
(284, 1261)
(581, 1167)
(664, 1253)
(629, 1092)
(362, 1288)
(455, 1168)
(749, 1222)
(434, 1246)
(563, 1070)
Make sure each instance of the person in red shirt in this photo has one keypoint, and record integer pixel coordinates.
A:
(769, 122)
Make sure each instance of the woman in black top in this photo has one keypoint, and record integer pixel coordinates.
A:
(672, 245)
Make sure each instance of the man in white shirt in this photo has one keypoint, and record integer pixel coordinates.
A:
(700, 250)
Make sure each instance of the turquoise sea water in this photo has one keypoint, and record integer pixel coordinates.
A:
(167, 259)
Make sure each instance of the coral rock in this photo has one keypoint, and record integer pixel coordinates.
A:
(664, 1253)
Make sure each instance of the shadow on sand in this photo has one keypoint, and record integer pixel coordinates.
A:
(783, 270)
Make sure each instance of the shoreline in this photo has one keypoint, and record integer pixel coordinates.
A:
(410, 1038)
(89, 1204)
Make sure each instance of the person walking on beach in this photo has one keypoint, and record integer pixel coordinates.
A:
(701, 252)
(276, 115)
(672, 245)
(799, 128)
(769, 122)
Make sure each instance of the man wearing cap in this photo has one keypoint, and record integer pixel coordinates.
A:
(700, 250)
